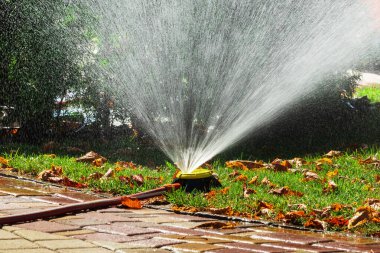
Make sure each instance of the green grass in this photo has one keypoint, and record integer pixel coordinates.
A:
(372, 92)
(355, 184)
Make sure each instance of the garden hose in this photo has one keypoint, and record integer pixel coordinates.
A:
(102, 203)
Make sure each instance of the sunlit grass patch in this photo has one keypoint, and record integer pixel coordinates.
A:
(372, 92)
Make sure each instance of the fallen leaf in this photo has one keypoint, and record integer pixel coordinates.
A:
(159, 179)
(336, 207)
(370, 161)
(377, 178)
(253, 180)
(95, 176)
(241, 178)
(293, 215)
(235, 173)
(247, 191)
(262, 204)
(188, 209)
(310, 176)
(333, 153)
(245, 165)
(285, 191)
(331, 174)
(315, 223)
(322, 161)
(158, 200)
(218, 225)
(70, 183)
(98, 162)
(224, 211)
(299, 206)
(267, 182)
(279, 217)
(4, 161)
(109, 173)
(138, 179)
(374, 204)
(131, 203)
(90, 157)
(362, 216)
(331, 187)
(281, 165)
(297, 162)
(55, 171)
(126, 165)
(337, 221)
(225, 190)
(125, 179)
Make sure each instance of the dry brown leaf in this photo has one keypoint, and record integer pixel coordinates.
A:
(235, 173)
(223, 211)
(299, 206)
(95, 176)
(310, 176)
(293, 215)
(262, 204)
(247, 191)
(297, 162)
(285, 191)
(267, 182)
(315, 223)
(71, 183)
(281, 165)
(55, 171)
(245, 165)
(370, 161)
(337, 221)
(225, 190)
(90, 157)
(363, 215)
(126, 165)
(131, 203)
(217, 225)
(158, 200)
(138, 179)
(109, 173)
(188, 209)
(377, 178)
(331, 186)
(336, 207)
(333, 153)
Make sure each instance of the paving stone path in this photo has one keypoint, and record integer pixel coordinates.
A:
(145, 230)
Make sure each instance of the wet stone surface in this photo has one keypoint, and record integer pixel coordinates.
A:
(120, 230)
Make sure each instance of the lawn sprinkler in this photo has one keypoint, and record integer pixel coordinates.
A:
(199, 179)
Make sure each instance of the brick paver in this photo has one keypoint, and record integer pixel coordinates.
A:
(123, 230)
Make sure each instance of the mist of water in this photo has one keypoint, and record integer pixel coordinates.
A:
(202, 74)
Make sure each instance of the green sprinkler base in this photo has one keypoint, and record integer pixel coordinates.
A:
(199, 179)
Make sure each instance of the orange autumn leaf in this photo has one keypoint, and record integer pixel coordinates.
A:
(253, 180)
(337, 221)
(131, 203)
(98, 162)
(336, 207)
(210, 194)
(285, 191)
(245, 165)
(241, 178)
(376, 220)
(377, 178)
(247, 191)
(293, 215)
(223, 211)
(188, 209)
(279, 217)
(71, 183)
(4, 161)
(324, 161)
(262, 204)
(225, 191)
(315, 223)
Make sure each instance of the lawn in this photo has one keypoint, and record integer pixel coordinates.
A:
(372, 92)
(320, 192)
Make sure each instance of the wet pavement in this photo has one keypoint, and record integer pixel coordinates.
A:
(120, 230)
